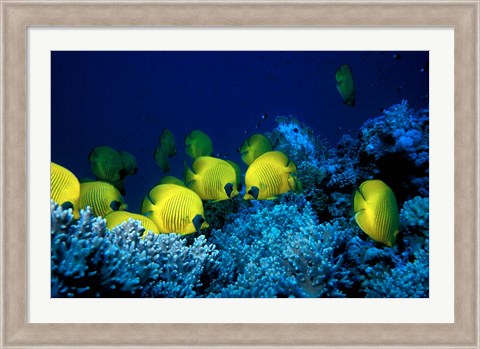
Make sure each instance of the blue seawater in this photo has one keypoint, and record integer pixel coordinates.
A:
(298, 245)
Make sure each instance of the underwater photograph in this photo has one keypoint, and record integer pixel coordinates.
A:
(239, 174)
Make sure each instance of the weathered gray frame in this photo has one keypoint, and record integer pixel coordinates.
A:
(18, 15)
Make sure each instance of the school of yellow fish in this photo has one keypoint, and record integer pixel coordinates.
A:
(176, 205)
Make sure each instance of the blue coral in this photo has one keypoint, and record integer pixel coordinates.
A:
(280, 251)
(401, 271)
(298, 245)
(398, 129)
(405, 280)
(415, 214)
(294, 139)
(394, 147)
(88, 260)
(308, 152)
(181, 267)
(73, 247)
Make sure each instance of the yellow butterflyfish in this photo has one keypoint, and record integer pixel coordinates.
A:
(376, 211)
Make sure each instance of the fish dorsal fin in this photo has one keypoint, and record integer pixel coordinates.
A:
(360, 209)
(156, 197)
(203, 162)
(359, 201)
(149, 198)
(147, 205)
(291, 166)
(189, 174)
(93, 155)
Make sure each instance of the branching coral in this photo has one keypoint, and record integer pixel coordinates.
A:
(397, 272)
(394, 147)
(409, 280)
(217, 212)
(299, 143)
(294, 138)
(73, 249)
(399, 129)
(88, 260)
(415, 214)
(279, 251)
(341, 166)
(298, 245)
(340, 205)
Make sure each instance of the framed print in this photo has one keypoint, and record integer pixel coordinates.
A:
(269, 174)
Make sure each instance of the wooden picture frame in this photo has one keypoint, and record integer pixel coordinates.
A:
(18, 15)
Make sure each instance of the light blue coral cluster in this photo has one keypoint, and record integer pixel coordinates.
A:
(398, 129)
(395, 145)
(299, 245)
(88, 260)
(309, 154)
(415, 214)
(295, 139)
(279, 251)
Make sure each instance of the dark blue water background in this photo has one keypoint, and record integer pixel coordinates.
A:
(125, 99)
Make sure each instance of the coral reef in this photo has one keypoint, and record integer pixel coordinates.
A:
(279, 250)
(415, 215)
(299, 143)
(88, 260)
(217, 212)
(294, 138)
(394, 147)
(297, 245)
(401, 271)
